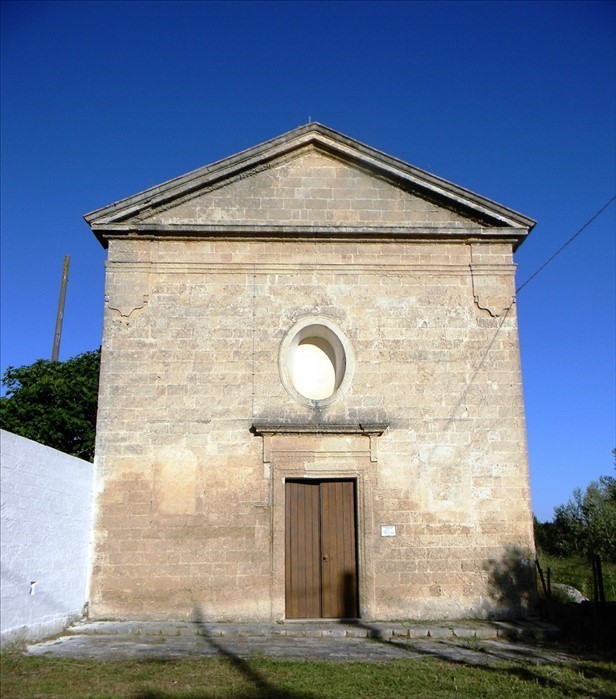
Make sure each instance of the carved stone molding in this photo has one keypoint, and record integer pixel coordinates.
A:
(128, 292)
(267, 430)
(493, 292)
(125, 307)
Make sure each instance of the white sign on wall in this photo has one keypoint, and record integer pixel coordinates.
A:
(388, 530)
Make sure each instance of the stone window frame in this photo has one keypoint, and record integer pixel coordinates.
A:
(332, 330)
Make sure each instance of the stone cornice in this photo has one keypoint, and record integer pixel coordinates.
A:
(272, 428)
(155, 231)
(268, 430)
(124, 217)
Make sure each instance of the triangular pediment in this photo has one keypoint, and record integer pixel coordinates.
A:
(311, 180)
(310, 188)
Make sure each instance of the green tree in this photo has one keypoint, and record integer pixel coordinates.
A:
(54, 403)
(586, 524)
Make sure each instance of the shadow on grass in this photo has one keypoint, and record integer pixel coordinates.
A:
(511, 588)
(261, 688)
(587, 627)
(520, 660)
(527, 662)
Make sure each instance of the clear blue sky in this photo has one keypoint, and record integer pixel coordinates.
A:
(515, 101)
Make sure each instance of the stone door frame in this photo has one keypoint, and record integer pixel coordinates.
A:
(322, 452)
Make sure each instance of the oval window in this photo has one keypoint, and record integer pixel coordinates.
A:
(313, 362)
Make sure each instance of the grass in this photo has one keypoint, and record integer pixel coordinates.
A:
(205, 678)
(425, 678)
(577, 572)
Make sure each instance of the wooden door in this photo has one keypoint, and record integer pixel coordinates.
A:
(321, 551)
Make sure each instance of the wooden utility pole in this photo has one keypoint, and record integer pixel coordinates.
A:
(60, 317)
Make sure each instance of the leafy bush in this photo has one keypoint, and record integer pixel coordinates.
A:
(584, 526)
(54, 403)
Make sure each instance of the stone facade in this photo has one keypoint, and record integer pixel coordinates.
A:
(209, 279)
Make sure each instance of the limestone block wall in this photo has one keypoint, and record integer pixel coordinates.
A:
(190, 502)
(309, 187)
(45, 538)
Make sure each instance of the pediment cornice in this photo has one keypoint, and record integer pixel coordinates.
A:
(133, 215)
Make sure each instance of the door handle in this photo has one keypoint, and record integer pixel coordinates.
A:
(324, 558)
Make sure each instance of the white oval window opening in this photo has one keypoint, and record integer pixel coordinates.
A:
(316, 362)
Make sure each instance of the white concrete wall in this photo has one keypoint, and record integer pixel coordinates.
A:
(45, 538)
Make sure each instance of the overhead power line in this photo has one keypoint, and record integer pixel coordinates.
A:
(573, 237)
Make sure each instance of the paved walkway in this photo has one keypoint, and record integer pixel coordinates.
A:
(470, 642)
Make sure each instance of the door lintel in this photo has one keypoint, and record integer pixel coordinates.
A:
(271, 428)
(267, 430)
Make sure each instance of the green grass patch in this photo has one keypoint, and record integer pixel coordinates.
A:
(205, 678)
(577, 572)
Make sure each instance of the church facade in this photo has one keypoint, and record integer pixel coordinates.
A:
(310, 400)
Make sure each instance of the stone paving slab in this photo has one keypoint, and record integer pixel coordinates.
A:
(381, 630)
(319, 641)
(118, 647)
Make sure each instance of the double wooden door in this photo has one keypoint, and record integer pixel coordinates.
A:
(321, 549)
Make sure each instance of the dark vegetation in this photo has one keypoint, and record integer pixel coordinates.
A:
(54, 403)
(584, 526)
(582, 529)
(578, 549)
